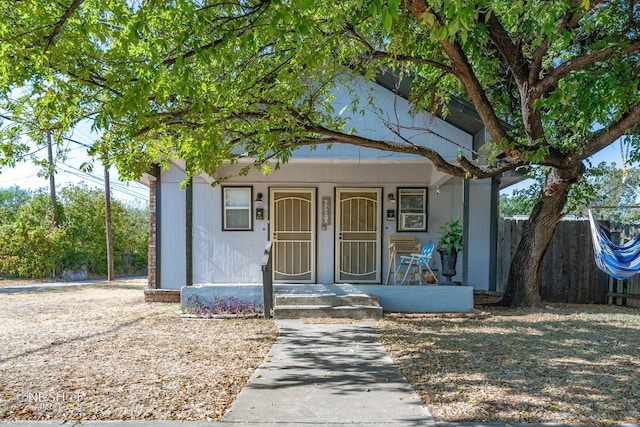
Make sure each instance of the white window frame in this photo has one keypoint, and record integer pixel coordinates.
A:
(248, 208)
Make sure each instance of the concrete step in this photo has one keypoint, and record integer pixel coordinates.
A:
(350, 306)
(326, 299)
(327, 311)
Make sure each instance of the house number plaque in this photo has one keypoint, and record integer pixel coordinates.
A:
(326, 212)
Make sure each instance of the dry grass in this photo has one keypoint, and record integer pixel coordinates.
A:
(101, 352)
(566, 364)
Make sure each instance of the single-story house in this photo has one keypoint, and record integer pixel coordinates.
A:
(331, 212)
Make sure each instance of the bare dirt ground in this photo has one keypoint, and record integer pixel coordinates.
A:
(565, 364)
(100, 352)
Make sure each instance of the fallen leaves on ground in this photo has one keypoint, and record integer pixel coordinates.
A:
(100, 352)
(567, 364)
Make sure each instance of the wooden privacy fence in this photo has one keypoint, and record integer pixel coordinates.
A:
(624, 292)
(568, 273)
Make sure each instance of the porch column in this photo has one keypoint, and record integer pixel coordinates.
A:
(466, 200)
(493, 233)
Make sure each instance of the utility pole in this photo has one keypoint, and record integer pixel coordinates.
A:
(107, 210)
(52, 180)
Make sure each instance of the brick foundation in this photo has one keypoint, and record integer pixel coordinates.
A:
(162, 295)
(151, 261)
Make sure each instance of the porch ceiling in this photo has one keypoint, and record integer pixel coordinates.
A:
(434, 177)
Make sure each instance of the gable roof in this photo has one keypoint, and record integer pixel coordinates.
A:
(461, 113)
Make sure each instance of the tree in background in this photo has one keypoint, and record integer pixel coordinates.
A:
(132, 235)
(10, 201)
(515, 204)
(211, 82)
(33, 248)
(613, 186)
(604, 185)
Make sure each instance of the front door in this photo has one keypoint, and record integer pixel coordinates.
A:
(358, 235)
(293, 224)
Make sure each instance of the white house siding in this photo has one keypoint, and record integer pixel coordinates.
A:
(235, 256)
(223, 256)
(443, 207)
(173, 230)
(391, 112)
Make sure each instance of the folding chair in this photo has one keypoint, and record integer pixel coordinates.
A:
(414, 262)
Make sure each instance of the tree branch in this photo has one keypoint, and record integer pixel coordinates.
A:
(171, 61)
(567, 67)
(607, 136)
(462, 69)
(484, 171)
(510, 53)
(570, 21)
(438, 161)
(377, 54)
(520, 70)
(63, 19)
(349, 29)
(240, 31)
(92, 81)
(175, 118)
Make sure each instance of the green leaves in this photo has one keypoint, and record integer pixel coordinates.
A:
(452, 235)
(34, 248)
(205, 81)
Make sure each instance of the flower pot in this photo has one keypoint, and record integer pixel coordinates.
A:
(448, 262)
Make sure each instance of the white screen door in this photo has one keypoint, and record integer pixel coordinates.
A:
(293, 224)
(358, 236)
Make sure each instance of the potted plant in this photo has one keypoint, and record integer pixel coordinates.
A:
(449, 245)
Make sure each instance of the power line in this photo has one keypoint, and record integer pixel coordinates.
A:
(138, 191)
(10, 181)
(116, 185)
(85, 145)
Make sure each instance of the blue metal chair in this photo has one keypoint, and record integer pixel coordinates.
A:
(414, 262)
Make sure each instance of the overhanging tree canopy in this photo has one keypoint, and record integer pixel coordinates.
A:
(209, 81)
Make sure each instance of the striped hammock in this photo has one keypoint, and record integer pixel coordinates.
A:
(618, 261)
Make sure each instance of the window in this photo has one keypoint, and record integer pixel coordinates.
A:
(412, 209)
(236, 206)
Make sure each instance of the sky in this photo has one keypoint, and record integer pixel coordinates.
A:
(25, 174)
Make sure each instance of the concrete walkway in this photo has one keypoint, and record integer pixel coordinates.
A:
(57, 285)
(328, 374)
(317, 375)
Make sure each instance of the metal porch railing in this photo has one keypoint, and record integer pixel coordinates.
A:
(267, 281)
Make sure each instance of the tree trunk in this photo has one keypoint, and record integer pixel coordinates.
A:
(523, 288)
